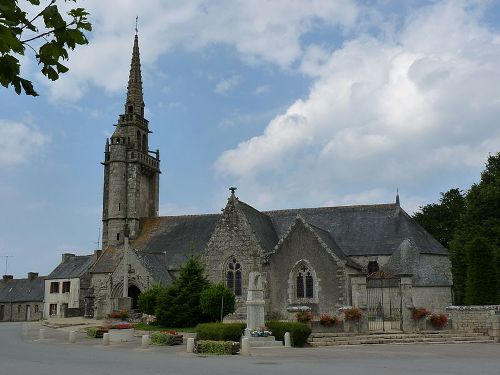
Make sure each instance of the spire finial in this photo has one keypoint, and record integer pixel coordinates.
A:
(397, 196)
(136, 19)
(232, 189)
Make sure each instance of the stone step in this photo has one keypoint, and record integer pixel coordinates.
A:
(265, 344)
(404, 340)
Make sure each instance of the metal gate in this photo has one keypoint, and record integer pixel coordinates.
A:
(384, 303)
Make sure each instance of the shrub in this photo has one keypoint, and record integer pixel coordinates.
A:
(220, 331)
(119, 315)
(419, 313)
(217, 347)
(327, 320)
(211, 299)
(304, 316)
(438, 320)
(299, 332)
(353, 315)
(96, 332)
(179, 305)
(161, 338)
(148, 300)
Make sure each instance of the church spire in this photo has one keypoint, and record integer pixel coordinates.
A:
(135, 101)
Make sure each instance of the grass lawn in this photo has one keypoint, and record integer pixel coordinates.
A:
(148, 327)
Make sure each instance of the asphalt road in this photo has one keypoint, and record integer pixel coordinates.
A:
(21, 353)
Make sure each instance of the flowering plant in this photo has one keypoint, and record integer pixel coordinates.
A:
(261, 332)
(304, 316)
(419, 313)
(118, 315)
(353, 314)
(122, 326)
(328, 320)
(438, 320)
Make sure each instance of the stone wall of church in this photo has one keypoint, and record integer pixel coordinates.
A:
(232, 239)
(330, 278)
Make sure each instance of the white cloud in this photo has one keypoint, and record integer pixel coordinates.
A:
(227, 84)
(262, 89)
(19, 142)
(403, 111)
(260, 31)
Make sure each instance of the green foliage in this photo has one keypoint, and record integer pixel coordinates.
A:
(148, 300)
(441, 219)
(161, 338)
(179, 305)
(58, 32)
(96, 332)
(480, 282)
(220, 331)
(217, 347)
(299, 332)
(155, 327)
(212, 303)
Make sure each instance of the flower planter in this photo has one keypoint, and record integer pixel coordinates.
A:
(121, 335)
(318, 327)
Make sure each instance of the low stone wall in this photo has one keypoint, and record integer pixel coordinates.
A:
(473, 318)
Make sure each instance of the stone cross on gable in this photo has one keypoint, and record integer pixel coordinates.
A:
(233, 189)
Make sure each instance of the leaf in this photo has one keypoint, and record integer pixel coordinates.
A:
(28, 87)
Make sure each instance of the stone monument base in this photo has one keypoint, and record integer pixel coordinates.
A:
(263, 342)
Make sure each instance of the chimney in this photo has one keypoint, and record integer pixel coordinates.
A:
(67, 256)
(32, 276)
(7, 277)
(97, 254)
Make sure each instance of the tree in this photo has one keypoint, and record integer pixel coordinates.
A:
(18, 30)
(216, 298)
(481, 284)
(441, 219)
(148, 300)
(179, 305)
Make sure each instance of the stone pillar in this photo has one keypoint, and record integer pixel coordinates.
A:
(288, 342)
(245, 346)
(255, 302)
(407, 304)
(190, 345)
(495, 325)
(72, 337)
(359, 295)
(145, 342)
(105, 339)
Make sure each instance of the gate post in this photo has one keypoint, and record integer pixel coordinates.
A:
(406, 304)
(359, 296)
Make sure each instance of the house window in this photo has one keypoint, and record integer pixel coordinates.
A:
(19, 309)
(372, 267)
(53, 309)
(54, 287)
(36, 308)
(65, 287)
(233, 277)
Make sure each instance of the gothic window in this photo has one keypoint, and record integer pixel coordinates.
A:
(372, 267)
(233, 277)
(303, 282)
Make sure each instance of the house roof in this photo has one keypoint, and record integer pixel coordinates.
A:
(74, 266)
(362, 230)
(156, 265)
(176, 236)
(108, 261)
(22, 290)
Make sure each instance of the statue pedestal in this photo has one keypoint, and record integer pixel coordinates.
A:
(255, 315)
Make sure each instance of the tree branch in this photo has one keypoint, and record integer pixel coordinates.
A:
(47, 33)
(30, 23)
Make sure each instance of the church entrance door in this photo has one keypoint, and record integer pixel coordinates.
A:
(133, 292)
(384, 303)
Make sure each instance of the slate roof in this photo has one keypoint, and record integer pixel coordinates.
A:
(362, 230)
(108, 260)
(22, 290)
(73, 267)
(156, 266)
(262, 226)
(177, 236)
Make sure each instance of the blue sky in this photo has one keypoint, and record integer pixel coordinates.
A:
(297, 103)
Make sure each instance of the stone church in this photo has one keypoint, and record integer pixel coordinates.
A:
(312, 257)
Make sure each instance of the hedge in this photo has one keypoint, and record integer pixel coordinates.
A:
(96, 332)
(217, 347)
(299, 332)
(220, 331)
(160, 338)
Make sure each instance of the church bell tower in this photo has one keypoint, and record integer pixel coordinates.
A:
(131, 170)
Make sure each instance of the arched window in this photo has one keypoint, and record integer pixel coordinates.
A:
(372, 267)
(233, 277)
(305, 283)
(144, 143)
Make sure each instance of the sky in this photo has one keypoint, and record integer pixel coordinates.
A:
(297, 103)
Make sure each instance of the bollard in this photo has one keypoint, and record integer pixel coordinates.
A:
(72, 337)
(145, 342)
(288, 342)
(105, 339)
(245, 346)
(190, 345)
(41, 335)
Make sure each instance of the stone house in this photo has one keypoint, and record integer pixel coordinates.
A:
(21, 299)
(314, 257)
(67, 287)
